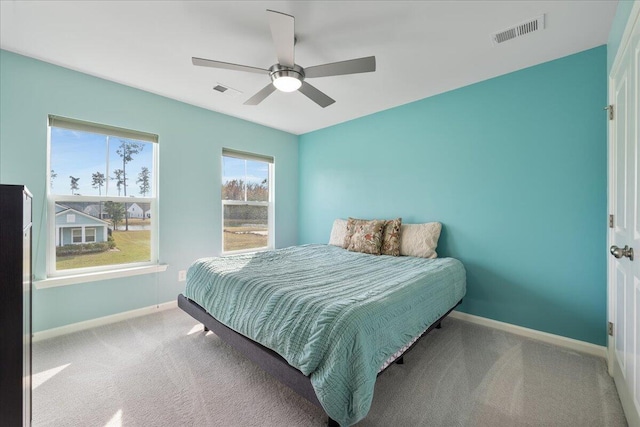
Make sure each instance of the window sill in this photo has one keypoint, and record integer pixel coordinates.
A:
(52, 282)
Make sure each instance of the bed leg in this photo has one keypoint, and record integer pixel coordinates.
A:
(439, 325)
(400, 360)
(205, 328)
(332, 423)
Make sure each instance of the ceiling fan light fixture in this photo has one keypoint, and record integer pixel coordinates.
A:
(287, 84)
(287, 79)
(286, 75)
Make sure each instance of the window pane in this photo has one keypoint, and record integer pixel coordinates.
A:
(245, 180)
(76, 235)
(75, 156)
(130, 168)
(115, 233)
(245, 227)
(257, 181)
(84, 163)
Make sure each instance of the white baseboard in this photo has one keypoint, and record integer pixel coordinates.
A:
(80, 326)
(581, 346)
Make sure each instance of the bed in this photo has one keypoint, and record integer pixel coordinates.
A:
(324, 320)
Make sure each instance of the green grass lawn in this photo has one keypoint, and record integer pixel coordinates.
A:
(238, 238)
(135, 246)
(131, 246)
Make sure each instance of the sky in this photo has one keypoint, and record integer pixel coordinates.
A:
(81, 154)
(234, 168)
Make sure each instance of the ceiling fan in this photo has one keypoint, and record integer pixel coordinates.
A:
(286, 75)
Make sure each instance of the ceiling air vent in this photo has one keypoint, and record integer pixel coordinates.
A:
(526, 27)
(226, 90)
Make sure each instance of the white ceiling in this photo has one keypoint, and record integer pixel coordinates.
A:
(421, 48)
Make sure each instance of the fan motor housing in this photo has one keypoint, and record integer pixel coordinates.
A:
(277, 71)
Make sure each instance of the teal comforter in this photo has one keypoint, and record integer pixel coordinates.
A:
(335, 315)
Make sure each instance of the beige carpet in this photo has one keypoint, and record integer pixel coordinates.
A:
(162, 370)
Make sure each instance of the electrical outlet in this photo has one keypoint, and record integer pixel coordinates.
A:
(182, 275)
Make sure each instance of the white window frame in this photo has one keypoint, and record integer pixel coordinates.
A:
(269, 204)
(88, 274)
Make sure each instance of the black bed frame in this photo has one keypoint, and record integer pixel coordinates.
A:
(269, 360)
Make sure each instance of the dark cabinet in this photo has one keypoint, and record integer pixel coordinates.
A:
(15, 305)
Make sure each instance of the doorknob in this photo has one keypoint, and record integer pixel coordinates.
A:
(620, 252)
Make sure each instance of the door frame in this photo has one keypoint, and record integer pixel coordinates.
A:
(626, 36)
(634, 19)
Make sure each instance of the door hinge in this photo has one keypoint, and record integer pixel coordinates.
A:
(610, 108)
(610, 329)
(611, 221)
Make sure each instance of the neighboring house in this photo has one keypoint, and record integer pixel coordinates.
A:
(74, 227)
(146, 208)
(94, 211)
(135, 211)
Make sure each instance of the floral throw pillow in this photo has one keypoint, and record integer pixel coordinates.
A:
(352, 223)
(391, 237)
(351, 226)
(366, 237)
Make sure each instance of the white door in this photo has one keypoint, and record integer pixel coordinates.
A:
(624, 237)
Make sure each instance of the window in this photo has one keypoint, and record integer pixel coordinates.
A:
(247, 201)
(102, 180)
(89, 235)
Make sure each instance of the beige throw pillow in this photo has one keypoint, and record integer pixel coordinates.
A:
(420, 240)
(391, 237)
(338, 232)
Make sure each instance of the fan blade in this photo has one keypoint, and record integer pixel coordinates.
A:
(227, 66)
(260, 96)
(315, 95)
(282, 32)
(352, 66)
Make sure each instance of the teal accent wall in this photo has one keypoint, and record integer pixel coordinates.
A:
(190, 146)
(623, 11)
(515, 169)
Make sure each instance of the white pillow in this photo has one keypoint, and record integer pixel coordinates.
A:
(338, 232)
(420, 240)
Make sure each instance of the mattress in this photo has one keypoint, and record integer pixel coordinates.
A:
(335, 315)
